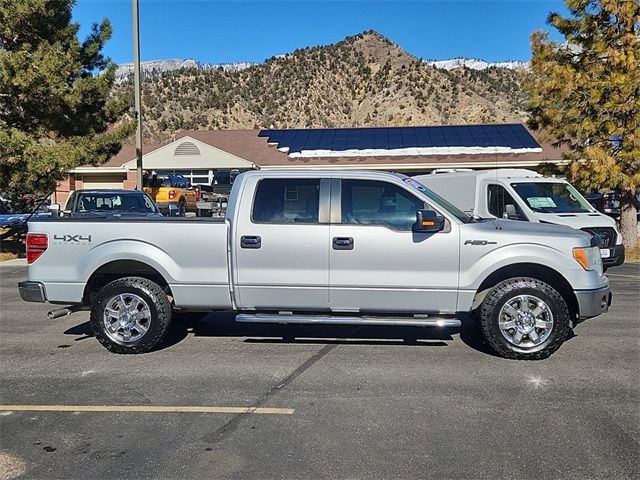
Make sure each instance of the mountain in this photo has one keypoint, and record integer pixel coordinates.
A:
(476, 64)
(364, 80)
(156, 67)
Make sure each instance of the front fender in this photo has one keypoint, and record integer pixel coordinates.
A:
(476, 266)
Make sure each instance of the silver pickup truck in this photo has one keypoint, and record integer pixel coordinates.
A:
(322, 247)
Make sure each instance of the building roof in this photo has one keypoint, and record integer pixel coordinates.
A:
(254, 146)
(403, 141)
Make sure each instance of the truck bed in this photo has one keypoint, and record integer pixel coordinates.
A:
(191, 256)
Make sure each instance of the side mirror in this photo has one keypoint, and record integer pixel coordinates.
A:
(428, 221)
(510, 212)
(54, 210)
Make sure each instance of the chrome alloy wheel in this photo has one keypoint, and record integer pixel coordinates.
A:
(127, 318)
(525, 321)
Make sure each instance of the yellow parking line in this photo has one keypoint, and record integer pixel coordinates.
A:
(145, 409)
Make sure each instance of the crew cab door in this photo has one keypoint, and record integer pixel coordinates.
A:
(281, 244)
(377, 263)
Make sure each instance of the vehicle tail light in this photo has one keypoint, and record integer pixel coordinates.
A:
(172, 194)
(37, 243)
(197, 190)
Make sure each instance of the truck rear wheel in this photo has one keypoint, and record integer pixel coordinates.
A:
(524, 319)
(131, 315)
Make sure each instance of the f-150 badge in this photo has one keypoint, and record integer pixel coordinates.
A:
(479, 242)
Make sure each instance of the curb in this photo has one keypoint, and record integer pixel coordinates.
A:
(16, 262)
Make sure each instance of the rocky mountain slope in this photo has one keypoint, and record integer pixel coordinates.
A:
(364, 80)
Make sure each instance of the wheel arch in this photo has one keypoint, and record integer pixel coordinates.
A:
(534, 270)
(119, 269)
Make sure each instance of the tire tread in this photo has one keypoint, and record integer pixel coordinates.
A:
(510, 287)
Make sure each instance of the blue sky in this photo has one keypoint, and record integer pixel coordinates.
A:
(231, 31)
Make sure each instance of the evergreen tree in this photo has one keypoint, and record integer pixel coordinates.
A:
(56, 107)
(585, 92)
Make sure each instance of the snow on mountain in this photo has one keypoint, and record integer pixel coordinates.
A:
(475, 64)
(155, 67)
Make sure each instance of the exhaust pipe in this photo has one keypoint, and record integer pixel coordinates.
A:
(62, 312)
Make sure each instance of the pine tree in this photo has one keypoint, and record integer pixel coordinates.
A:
(56, 107)
(585, 92)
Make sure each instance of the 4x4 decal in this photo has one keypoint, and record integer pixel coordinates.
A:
(72, 238)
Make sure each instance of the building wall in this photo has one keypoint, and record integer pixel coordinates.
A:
(63, 189)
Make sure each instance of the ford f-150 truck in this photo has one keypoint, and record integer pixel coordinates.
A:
(324, 247)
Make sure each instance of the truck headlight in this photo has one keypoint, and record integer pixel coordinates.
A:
(589, 258)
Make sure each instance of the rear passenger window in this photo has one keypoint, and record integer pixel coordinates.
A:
(286, 201)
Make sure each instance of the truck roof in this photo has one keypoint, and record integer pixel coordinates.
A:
(495, 173)
(107, 190)
(520, 174)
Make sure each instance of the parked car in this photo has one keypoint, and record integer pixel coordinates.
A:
(215, 197)
(110, 203)
(322, 247)
(609, 202)
(168, 189)
(525, 195)
(14, 225)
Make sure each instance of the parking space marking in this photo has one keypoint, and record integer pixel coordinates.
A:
(622, 275)
(146, 409)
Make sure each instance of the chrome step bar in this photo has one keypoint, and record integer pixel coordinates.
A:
(419, 321)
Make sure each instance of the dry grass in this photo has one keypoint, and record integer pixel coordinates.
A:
(11, 249)
(633, 255)
(4, 256)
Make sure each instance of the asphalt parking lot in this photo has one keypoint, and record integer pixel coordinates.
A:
(337, 402)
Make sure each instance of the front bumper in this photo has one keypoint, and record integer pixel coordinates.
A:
(616, 256)
(32, 292)
(592, 303)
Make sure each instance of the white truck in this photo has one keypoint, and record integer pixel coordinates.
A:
(324, 247)
(525, 195)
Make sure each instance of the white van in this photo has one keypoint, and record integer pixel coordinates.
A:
(520, 194)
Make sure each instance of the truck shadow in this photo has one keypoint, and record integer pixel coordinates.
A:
(224, 325)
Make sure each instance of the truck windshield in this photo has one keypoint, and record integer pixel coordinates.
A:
(452, 209)
(552, 197)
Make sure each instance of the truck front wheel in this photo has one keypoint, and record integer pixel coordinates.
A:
(131, 315)
(524, 319)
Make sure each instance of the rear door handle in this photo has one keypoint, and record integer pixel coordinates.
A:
(250, 241)
(342, 243)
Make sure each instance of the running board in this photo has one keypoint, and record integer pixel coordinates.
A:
(346, 320)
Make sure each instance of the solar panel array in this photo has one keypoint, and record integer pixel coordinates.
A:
(514, 136)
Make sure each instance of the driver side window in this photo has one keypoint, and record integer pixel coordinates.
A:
(372, 202)
(502, 205)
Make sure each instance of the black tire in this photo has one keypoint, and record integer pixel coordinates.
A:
(182, 208)
(159, 307)
(507, 290)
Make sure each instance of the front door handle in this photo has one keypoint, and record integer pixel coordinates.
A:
(250, 241)
(342, 243)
